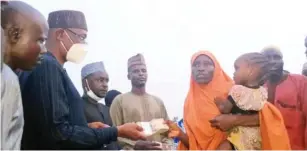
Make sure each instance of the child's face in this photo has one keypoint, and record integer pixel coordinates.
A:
(244, 72)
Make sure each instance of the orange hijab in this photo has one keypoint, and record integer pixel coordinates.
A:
(199, 108)
(273, 130)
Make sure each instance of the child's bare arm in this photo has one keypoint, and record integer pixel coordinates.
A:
(224, 106)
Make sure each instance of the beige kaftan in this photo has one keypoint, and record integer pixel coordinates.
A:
(130, 107)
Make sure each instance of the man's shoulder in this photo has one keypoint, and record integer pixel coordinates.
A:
(9, 76)
(9, 85)
(129, 95)
(126, 94)
(297, 77)
(6, 70)
(49, 60)
(299, 81)
(119, 98)
(123, 96)
(156, 98)
(48, 67)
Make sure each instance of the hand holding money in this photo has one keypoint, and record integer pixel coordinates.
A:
(154, 127)
(131, 131)
(174, 130)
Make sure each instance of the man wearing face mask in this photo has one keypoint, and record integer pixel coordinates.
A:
(54, 111)
(288, 92)
(139, 106)
(95, 86)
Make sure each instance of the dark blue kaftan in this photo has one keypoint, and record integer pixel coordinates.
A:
(53, 111)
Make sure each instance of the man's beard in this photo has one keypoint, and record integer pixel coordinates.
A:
(276, 75)
(138, 85)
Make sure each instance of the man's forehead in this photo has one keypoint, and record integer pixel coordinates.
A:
(27, 12)
(138, 66)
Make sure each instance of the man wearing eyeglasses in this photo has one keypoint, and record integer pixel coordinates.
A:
(53, 108)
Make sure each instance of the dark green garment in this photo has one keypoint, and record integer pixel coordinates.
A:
(97, 112)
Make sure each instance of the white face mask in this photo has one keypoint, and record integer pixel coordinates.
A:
(76, 53)
(90, 93)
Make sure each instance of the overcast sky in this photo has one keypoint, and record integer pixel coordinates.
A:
(168, 32)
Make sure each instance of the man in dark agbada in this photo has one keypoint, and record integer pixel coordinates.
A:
(53, 108)
(95, 81)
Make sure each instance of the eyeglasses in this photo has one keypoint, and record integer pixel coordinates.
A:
(81, 37)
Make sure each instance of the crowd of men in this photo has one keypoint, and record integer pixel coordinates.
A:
(42, 109)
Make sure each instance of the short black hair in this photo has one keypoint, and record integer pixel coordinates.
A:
(7, 12)
(10, 10)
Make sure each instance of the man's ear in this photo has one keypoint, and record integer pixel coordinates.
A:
(13, 34)
(84, 86)
(59, 34)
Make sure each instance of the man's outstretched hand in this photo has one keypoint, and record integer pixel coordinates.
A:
(131, 131)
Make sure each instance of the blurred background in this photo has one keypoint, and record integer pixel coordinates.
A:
(168, 32)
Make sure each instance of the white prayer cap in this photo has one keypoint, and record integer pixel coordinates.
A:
(92, 68)
(272, 49)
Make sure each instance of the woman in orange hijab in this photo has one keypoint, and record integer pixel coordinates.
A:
(208, 82)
